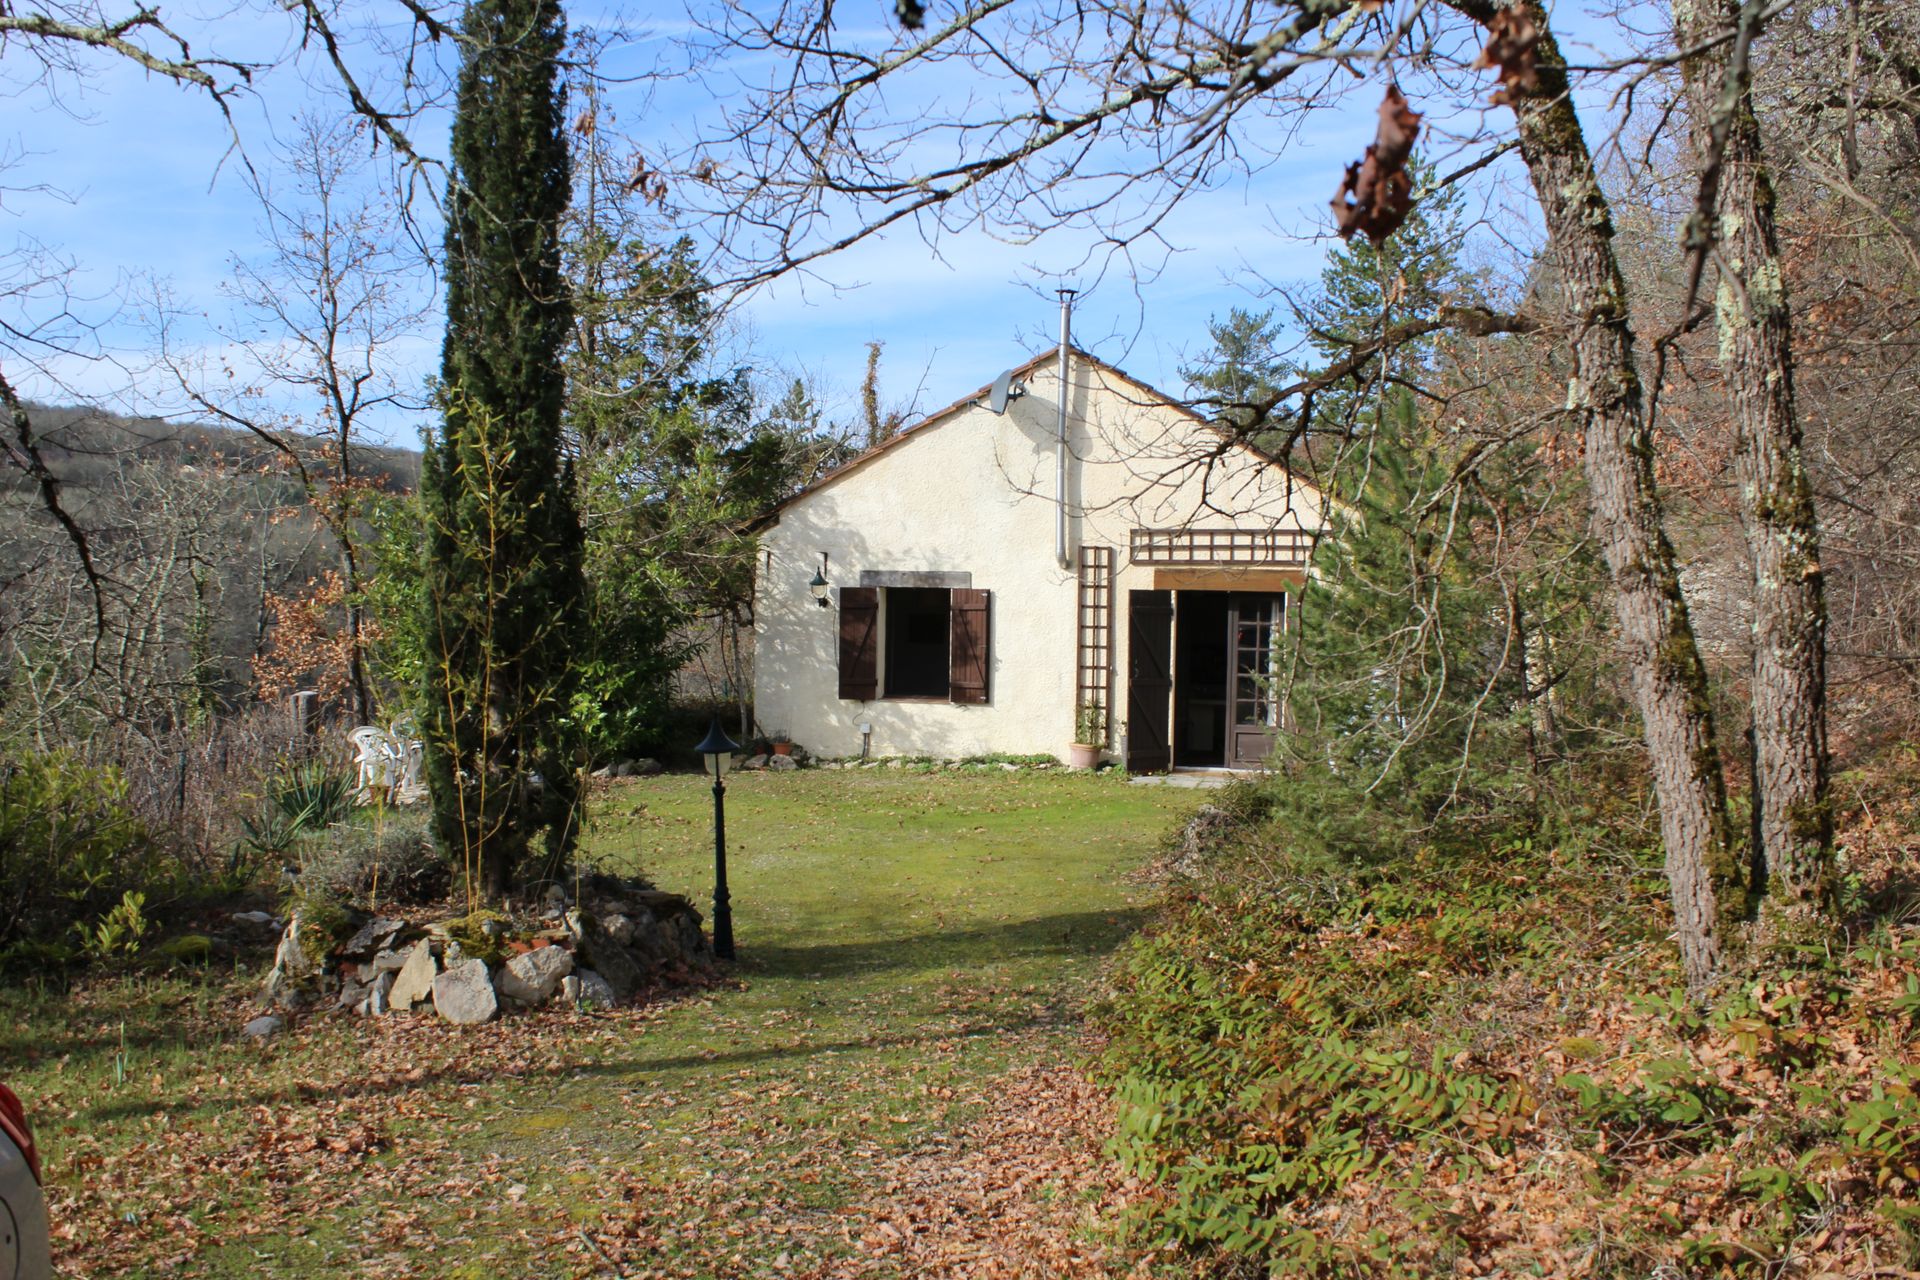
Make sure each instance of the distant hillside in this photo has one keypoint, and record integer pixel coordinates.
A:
(200, 536)
(84, 446)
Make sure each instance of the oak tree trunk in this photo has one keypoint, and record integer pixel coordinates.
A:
(1706, 881)
(1793, 820)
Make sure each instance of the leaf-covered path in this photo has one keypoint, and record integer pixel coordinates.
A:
(887, 1089)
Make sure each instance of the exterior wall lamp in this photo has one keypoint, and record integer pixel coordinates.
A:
(819, 586)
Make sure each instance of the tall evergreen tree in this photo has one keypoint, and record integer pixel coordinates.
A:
(1424, 631)
(504, 582)
(1243, 365)
(1367, 288)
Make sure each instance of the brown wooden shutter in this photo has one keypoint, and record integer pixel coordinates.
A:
(860, 643)
(969, 654)
(1149, 681)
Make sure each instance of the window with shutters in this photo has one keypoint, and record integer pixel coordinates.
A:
(919, 629)
(915, 643)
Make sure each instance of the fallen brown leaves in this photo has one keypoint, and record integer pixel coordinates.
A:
(1023, 1194)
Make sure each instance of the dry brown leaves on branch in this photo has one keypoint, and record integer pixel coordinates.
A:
(1380, 188)
(1511, 37)
(309, 646)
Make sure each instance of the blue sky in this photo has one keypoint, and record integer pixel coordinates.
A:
(132, 179)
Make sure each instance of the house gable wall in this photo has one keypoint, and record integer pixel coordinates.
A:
(971, 492)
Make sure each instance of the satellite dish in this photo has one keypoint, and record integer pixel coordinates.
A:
(1004, 389)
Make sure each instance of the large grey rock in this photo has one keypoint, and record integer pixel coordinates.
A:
(415, 980)
(264, 1027)
(353, 992)
(782, 764)
(531, 978)
(390, 961)
(294, 955)
(373, 937)
(596, 949)
(595, 992)
(464, 994)
(619, 928)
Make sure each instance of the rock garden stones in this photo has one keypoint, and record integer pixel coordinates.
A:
(264, 1027)
(598, 950)
(620, 928)
(623, 937)
(593, 991)
(376, 935)
(641, 768)
(532, 977)
(415, 981)
(464, 994)
(296, 965)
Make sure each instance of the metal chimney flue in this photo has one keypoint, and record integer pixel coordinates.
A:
(1060, 472)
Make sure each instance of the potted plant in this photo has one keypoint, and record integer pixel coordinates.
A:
(782, 744)
(1089, 737)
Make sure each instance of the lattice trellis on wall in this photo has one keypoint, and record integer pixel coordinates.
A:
(1093, 663)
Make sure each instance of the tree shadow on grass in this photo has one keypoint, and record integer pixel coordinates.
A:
(1080, 933)
(1076, 933)
(631, 1068)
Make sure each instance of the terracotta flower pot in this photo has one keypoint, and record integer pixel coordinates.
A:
(783, 748)
(1082, 756)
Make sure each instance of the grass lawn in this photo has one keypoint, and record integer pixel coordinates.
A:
(913, 947)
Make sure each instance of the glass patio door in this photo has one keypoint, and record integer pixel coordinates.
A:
(1254, 627)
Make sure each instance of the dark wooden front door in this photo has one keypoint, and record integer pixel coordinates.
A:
(1149, 680)
(1254, 625)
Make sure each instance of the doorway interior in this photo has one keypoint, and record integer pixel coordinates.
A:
(1226, 653)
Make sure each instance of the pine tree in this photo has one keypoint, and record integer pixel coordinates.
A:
(1243, 365)
(1422, 633)
(503, 590)
(1367, 288)
(1400, 673)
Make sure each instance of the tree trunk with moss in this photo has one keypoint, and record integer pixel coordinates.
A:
(1705, 878)
(1795, 859)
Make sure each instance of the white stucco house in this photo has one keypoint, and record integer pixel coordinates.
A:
(991, 589)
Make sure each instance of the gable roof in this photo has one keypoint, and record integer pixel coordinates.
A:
(772, 514)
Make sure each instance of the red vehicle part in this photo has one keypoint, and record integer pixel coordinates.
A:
(13, 1118)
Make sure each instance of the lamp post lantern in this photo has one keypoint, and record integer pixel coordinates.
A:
(717, 750)
(819, 587)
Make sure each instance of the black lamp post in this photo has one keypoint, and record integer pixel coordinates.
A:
(718, 750)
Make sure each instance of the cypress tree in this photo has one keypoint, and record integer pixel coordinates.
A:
(504, 550)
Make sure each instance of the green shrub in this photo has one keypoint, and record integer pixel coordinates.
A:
(383, 855)
(76, 866)
(300, 802)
